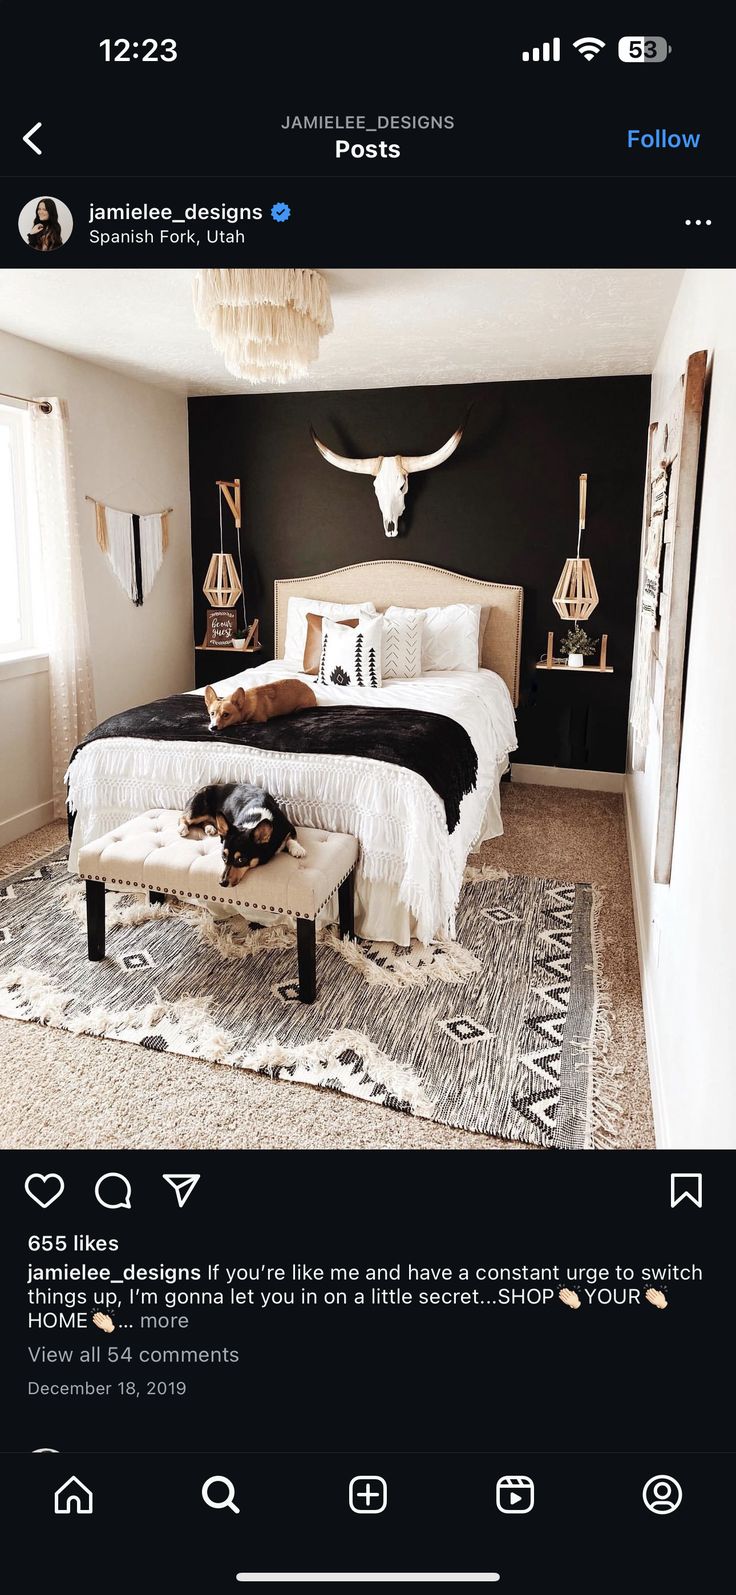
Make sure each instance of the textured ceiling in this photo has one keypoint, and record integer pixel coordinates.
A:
(392, 327)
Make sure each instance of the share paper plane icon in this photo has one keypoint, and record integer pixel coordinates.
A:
(182, 1185)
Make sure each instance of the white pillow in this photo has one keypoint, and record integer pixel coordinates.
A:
(296, 623)
(402, 644)
(449, 635)
(450, 640)
(351, 657)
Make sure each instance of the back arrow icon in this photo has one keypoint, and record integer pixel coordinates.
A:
(27, 137)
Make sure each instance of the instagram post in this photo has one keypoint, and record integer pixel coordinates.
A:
(439, 954)
(365, 803)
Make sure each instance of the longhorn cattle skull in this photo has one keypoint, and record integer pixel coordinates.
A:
(391, 473)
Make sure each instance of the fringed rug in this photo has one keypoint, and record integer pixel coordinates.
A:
(504, 1031)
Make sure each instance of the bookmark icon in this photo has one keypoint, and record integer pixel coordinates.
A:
(686, 1188)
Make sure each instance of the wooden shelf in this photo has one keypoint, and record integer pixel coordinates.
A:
(199, 648)
(576, 670)
(550, 663)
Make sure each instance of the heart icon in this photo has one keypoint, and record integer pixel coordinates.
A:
(41, 1180)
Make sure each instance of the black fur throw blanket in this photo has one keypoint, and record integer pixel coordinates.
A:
(436, 747)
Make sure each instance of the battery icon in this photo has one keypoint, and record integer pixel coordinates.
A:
(638, 49)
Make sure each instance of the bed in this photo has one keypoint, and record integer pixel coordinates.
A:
(411, 865)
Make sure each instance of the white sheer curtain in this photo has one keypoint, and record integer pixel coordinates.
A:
(70, 667)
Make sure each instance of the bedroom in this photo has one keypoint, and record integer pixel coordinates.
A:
(430, 1029)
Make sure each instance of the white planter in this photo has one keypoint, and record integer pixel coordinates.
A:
(238, 642)
(575, 661)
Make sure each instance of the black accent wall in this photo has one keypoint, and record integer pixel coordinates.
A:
(503, 508)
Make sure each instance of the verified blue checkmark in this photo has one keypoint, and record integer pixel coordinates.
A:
(281, 211)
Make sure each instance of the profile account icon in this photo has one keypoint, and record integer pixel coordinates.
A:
(662, 1494)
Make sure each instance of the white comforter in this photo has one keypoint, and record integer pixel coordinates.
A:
(410, 871)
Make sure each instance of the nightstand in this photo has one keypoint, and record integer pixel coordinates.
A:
(575, 718)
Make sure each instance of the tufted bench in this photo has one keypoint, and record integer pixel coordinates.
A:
(148, 854)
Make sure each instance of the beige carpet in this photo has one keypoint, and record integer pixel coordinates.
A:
(66, 1091)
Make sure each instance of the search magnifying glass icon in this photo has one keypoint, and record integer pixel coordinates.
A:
(227, 1500)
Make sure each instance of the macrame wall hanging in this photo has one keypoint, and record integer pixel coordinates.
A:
(135, 546)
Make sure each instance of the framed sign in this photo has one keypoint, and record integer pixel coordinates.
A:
(221, 628)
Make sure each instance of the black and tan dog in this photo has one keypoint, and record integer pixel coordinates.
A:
(251, 825)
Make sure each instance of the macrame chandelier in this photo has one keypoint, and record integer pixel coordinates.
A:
(222, 585)
(576, 595)
(265, 323)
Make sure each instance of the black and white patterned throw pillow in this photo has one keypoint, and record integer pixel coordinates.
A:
(351, 657)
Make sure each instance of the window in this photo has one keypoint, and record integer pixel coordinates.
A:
(17, 534)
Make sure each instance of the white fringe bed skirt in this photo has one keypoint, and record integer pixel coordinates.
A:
(410, 871)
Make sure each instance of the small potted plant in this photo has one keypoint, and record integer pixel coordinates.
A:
(238, 640)
(578, 646)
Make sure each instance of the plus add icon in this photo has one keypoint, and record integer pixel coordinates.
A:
(368, 1493)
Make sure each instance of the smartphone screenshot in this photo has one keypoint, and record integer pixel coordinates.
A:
(367, 771)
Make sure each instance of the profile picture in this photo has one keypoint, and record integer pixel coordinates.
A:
(45, 223)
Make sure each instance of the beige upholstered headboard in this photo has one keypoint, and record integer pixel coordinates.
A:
(404, 582)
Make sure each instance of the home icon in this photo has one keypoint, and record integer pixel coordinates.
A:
(73, 1496)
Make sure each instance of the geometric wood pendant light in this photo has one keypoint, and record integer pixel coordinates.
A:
(576, 595)
(222, 584)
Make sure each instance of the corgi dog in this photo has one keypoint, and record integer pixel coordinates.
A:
(252, 826)
(256, 705)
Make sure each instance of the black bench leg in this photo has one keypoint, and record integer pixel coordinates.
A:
(95, 895)
(306, 946)
(157, 897)
(346, 906)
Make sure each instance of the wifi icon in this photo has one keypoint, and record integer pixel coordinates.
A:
(589, 48)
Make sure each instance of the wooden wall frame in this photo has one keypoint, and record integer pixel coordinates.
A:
(687, 402)
(674, 441)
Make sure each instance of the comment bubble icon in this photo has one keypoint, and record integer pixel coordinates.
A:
(113, 1190)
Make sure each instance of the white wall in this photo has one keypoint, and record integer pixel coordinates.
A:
(129, 443)
(25, 748)
(686, 930)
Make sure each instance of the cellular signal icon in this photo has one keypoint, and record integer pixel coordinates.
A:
(543, 52)
(589, 48)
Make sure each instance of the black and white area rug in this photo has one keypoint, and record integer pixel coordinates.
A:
(504, 1031)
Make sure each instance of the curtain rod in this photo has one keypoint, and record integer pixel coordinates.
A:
(42, 404)
(91, 500)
